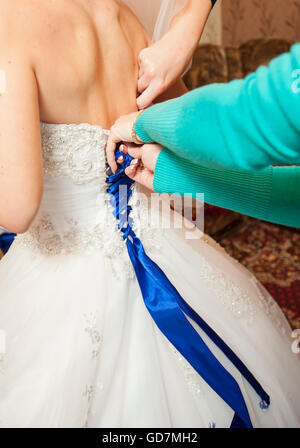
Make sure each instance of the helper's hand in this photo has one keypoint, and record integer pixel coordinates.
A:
(166, 60)
(121, 131)
(143, 165)
(161, 65)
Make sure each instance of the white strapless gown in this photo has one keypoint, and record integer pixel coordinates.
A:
(81, 347)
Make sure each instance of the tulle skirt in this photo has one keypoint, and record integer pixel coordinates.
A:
(83, 351)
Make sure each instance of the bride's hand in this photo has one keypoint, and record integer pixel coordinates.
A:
(121, 131)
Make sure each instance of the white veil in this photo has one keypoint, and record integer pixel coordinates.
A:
(155, 15)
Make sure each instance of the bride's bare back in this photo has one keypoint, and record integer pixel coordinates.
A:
(63, 61)
(85, 58)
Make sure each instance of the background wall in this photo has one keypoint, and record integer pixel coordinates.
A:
(233, 22)
(214, 27)
(248, 19)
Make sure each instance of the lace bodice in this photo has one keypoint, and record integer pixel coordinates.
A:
(75, 216)
(74, 151)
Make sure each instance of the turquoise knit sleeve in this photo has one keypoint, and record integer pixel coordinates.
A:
(244, 125)
(271, 194)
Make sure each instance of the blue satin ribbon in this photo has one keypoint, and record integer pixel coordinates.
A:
(6, 239)
(167, 309)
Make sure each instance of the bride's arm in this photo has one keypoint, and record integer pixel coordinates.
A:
(21, 175)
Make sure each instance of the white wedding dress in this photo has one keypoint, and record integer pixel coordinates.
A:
(81, 347)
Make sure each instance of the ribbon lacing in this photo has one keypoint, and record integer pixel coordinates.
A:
(168, 310)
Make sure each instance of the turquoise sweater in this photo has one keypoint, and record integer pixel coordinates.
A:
(223, 140)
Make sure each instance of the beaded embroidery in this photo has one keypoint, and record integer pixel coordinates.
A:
(192, 377)
(88, 393)
(231, 296)
(94, 334)
(74, 151)
(270, 307)
(234, 298)
(77, 152)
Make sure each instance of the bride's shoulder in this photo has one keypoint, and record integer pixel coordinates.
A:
(17, 19)
(26, 15)
(11, 24)
(15, 11)
(27, 24)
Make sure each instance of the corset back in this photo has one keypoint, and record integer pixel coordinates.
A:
(75, 215)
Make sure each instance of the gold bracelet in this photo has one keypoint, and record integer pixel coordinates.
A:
(134, 137)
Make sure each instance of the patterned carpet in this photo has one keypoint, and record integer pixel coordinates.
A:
(272, 253)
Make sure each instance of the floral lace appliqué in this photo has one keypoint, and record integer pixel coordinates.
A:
(74, 151)
(77, 153)
(234, 298)
(190, 374)
(92, 330)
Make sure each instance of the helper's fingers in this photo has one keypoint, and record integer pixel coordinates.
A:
(154, 89)
(143, 83)
(141, 175)
(141, 61)
(150, 153)
(131, 170)
(133, 150)
(146, 98)
(110, 151)
(123, 149)
(141, 71)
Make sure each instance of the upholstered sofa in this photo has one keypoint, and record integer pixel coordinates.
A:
(214, 63)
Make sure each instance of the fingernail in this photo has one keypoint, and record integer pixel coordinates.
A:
(135, 161)
(122, 147)
(132, 167)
